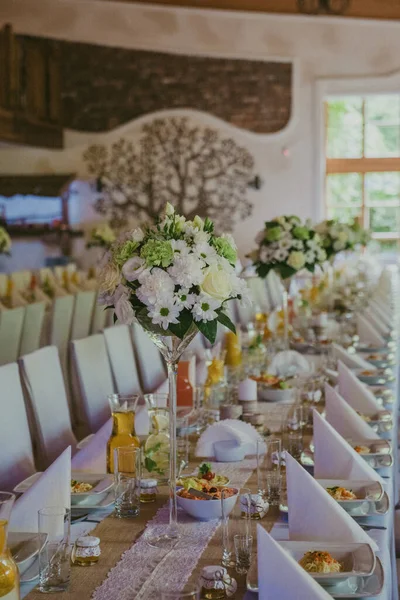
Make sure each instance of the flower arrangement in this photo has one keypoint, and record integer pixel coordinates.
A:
(287, 245)
(101, 237)
(172, 276)
(362, 236)
(336, 236)
(5, 242)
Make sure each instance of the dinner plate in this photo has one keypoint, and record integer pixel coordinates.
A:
(371, 349)
(366, 491)
(381, 422)
(383, 394)
(378, 377)
(376, 460)
(86, 507)
(25, 547)
(365, 510)
(379, 454)
(355, 587)
(310, 348)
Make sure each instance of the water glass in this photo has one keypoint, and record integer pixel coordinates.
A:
(191, 591)
(243, 548)
(54, 558)
(273, 487)
(236, 523)
(269, 463)
(127, 475)
(292, 431)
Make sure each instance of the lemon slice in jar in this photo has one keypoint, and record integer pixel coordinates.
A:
(156, 453)
(160, 422)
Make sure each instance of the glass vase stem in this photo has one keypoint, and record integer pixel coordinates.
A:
(285, 307)
(172, 367)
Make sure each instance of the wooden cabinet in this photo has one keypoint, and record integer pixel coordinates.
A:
(30, 91)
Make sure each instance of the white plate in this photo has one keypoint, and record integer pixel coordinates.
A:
(366, 491)
(86, 507)
(27, 483)
(380, 377)
(355, 587)
(24, 547)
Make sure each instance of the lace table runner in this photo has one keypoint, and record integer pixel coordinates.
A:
(142, 570)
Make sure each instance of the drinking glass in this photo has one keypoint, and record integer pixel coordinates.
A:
(54, 557)
(237, 522)
(292, 431)
(191, 591)
(269, 477)
(127, 474)
(243, 548)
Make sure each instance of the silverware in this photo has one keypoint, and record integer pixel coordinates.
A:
(200, 494)
(371, 527)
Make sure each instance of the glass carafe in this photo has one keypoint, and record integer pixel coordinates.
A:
(9, 576)
(123, 409)
(156, 447)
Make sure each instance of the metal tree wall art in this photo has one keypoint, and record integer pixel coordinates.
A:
(190, 166)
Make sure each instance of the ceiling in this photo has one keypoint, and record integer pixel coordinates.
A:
(370, 9)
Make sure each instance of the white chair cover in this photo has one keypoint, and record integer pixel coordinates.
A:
(60, 326)
(11, 323)
(122, 359)
(99, 318)
(17, 460)
(93, 374)
(3, 283)
(83, 312)
(43, 377)
(150, 361)
(32, 328)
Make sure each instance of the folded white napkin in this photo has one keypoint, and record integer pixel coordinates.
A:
(367, 332)
(354, 361)
(380, 311)
(376, 322)
(345, 419)
(334, 458)
(229, 429)
(314, 515)
(53, 488)
(288, 363)
(279, 575)
(93, 457)
(356, 393)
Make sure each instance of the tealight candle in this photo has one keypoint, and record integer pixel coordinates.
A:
(247, 390)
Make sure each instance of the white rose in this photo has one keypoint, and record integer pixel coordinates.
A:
(133, 268)
(198, 222)
(124, 310)
(217, 283)
(137, 235)
(296, 260)
(110, 278)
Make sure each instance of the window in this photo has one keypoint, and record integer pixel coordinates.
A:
(363, 163)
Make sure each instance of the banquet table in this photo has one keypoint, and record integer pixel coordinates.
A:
(139, 576)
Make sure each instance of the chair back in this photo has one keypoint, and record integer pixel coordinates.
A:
(82, 316)
(32, 327)
(17, 462)
(11, 323)
(122, 359)
(42, 375)
(151, 364)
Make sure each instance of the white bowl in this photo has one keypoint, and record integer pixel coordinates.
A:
(229, 451)
(270, 394)
(207, 510)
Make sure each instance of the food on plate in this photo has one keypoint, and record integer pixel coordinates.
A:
(205, 472)
(79, 487)
(362, 449)
(205, 475)
(365, 418)
(340, 493)
(318, 561)
(209, 489)
(272, 381)
(368, 373)
(374, 357)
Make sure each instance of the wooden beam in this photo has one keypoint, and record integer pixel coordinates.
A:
(362, 165)
(51, 186)
(367, 9)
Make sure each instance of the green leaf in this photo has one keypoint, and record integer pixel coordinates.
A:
(285, 271)
(208, 329)
(181, 328)
(150, 464)
(263, 269)
(226, 322)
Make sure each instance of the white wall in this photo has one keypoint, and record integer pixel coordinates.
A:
(321, 48)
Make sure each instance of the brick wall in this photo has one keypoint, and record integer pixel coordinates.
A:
(104, 87)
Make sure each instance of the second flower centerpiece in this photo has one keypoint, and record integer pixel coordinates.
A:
(174, 278)
(286, 245)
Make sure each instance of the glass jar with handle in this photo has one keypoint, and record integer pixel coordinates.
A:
(123, 409)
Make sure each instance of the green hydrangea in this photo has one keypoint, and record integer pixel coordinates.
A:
(301, 233)
(273, 234)
(157, 253)
(224, 249)
(125, 252)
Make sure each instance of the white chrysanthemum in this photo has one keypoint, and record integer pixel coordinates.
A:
(338, 245)
(202, 237)
(266, 254)
(230, 239)
(133, 268)
(281, 254)
(205, 307)
(206, 253)
(313, 244)
(310, 256)
(187, 271)
(321, 255)
(184, 299)
(240, 288)
(156, 285)
(190, 229)
(137, 235)
(180, 247)
(164, 313)
(285, 243)
(297, 245)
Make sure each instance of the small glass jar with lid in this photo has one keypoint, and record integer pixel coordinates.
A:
(216, 584)
(148, 490)
(86, 551)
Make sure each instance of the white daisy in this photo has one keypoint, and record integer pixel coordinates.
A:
(164, 313)
(180, 248)
(310, 256)
(266, 254)
(285, 243)
(205, 307)
(281, 255)
(297, 244)
(205, 252)
(184, 299)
